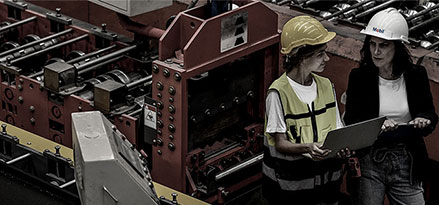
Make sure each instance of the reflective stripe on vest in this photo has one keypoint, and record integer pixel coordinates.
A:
(299, 169)
(308, 183)
(275, 153)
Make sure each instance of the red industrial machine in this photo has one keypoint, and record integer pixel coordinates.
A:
(210, 82)
(51, 68)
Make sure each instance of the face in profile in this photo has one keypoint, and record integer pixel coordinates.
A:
(317, 61)
(382, 52)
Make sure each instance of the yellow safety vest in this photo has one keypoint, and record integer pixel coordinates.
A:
(304, 125)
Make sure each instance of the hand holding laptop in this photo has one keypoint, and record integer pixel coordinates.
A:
(317, 152)
(355, 136)
(345, 153)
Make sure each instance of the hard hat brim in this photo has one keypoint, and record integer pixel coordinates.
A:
(379, 35)
(328, 37)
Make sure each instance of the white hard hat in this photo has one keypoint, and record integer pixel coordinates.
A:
(388, 24)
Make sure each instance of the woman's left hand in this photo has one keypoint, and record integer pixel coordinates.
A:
(345, 153)
(420, 122)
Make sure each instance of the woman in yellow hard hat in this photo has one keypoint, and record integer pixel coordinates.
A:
(301, 109)
(388, 84)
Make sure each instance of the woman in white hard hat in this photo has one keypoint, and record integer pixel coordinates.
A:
(388, 84)
(301, 109)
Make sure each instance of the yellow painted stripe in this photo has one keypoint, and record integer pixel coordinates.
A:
(181, 198)
(36, 142)
(40, 144)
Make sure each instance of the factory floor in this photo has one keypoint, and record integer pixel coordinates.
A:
(254, 197)
(19, 190)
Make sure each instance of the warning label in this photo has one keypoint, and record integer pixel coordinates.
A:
(234, 31)
(150, 116)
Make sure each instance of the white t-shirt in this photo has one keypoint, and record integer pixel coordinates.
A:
(393, 100)
(306, 94)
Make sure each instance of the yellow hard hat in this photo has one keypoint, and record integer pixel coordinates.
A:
(303, 30)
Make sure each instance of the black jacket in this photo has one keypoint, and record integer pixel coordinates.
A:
(362, 103)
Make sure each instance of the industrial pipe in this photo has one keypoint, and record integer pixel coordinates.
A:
(94, 53)
(311, 2)
(422, 12)
(88, 55)
(376, 8)
(99, 64)
(347, 9)
(433, 45)
(151, 32)
(283, 2)
(18, 23)
(67, 184)
(105, 58)
(135, 112)
(139, 82)
(36, 42)
(26, 51)
(50, 48)
(139, 28)
(221, 151)
(234, 169)
(19, 158)
(413, 28)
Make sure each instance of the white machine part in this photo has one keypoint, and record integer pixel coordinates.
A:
(108, 170)
(133, 7)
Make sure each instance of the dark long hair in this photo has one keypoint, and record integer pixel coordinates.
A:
(289, 62)
(401, 60)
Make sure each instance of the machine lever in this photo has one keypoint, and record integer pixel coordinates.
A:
(67, 184)
(18, 158)
(240, 166)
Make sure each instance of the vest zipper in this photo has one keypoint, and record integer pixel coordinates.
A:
(313, 123)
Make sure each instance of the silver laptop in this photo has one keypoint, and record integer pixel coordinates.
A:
(355, 136)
